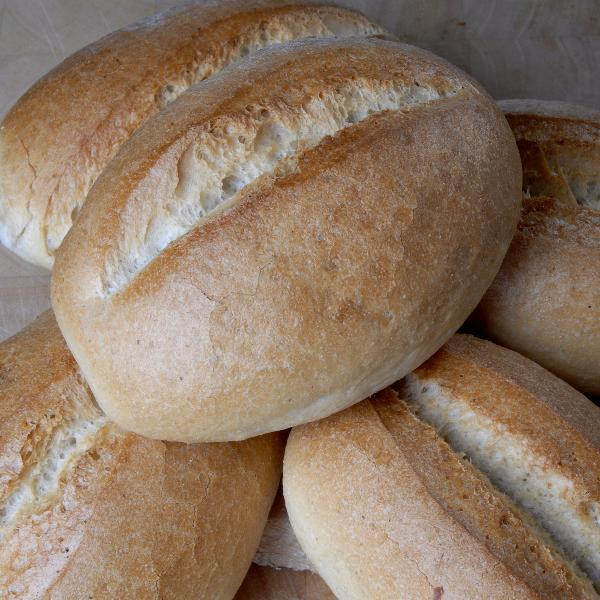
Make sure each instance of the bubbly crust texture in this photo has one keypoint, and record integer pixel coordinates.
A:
(545, 301)
(287, 238)
(266, 583)
(61, 134)
(88, 510)
(385, 507)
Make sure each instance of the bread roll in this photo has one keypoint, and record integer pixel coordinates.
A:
(287, 238)
(545, 302)
(63, 132)
(479, 478)
(89, 511)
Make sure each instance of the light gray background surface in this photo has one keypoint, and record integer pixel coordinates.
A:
(547, 49)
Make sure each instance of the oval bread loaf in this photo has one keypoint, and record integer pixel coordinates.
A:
(479, 478)
(90, 511)
(286, 238)
(61, 134)
(545, 301)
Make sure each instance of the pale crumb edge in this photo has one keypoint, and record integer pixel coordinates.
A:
(268, 144)
(35, 241)
(39, 484)
(507, 462)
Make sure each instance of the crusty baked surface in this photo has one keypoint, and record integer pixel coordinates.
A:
(545, 301)
(384, 507)
(352, 211)
(533, 435)
(89, 510)
(61, 134)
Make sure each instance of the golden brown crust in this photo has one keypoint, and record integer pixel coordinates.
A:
(266, 583)
(545, 301)
(560, 149)
(340, 255)
(535, 403)
(472, 502)
(61, 134)
(129, 517)
(371, 527)
(37, 404)
(378, 474)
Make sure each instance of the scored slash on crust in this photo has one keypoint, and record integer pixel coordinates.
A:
(41, 481)
(49, 173)
(221, 158)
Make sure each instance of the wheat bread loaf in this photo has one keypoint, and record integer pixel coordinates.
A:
(286, 238)
(545, 301)
(63, 132)
(476, 477)
(88, 510)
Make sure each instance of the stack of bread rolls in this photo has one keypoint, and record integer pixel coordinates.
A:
(90, 510)
(477, 476)
(268, 215)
